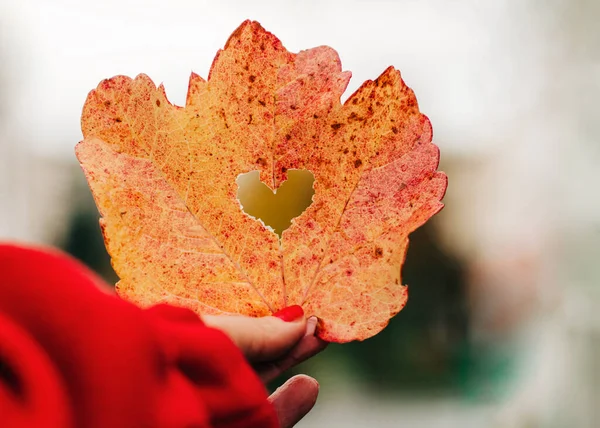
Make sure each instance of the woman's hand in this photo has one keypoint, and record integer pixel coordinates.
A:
(273, 345)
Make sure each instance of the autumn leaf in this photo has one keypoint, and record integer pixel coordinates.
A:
(164, 180)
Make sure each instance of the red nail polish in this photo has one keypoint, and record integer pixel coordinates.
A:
(291, 313)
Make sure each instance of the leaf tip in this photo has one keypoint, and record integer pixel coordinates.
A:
(194, 85)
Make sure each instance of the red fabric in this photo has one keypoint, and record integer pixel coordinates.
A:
(73, 355)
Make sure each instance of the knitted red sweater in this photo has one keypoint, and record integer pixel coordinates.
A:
(73, 355)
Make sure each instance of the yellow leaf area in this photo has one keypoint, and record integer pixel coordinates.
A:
(164, 180)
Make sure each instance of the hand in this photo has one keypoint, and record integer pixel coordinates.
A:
(274, 346)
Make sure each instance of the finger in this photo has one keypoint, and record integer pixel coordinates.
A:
(260, 339)
(308, 346)
(294, 399)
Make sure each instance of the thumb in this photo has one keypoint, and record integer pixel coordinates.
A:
(262, 339)
(294, 399)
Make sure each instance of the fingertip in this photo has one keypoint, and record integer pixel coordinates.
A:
(311, 325)
(309, 386)
(270, 337)
(310, 382)
(292, 330)
(294, 399)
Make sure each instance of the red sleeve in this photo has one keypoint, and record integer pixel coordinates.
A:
(74, 355)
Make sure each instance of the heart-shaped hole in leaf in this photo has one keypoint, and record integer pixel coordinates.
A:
(276, 210)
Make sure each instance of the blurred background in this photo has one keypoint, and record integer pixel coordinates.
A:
(502, 327)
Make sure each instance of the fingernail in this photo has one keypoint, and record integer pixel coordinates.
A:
(291, 313)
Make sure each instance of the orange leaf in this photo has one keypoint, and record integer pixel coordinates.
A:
(164, 180)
